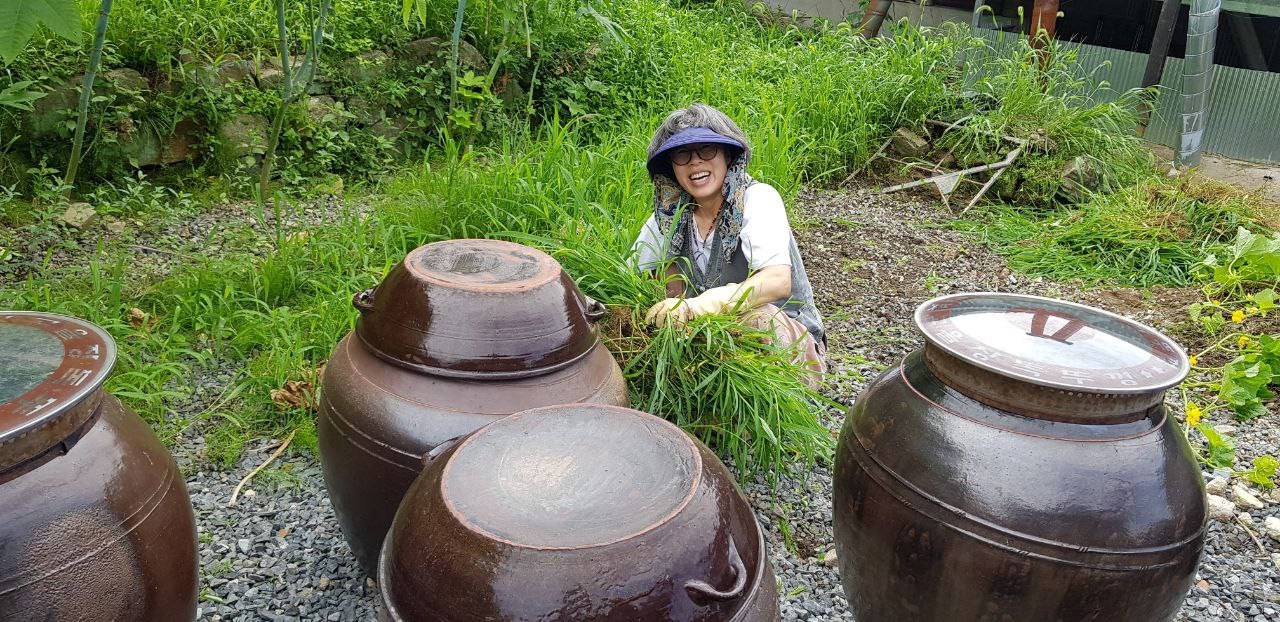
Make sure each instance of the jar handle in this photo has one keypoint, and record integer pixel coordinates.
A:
(363, 301)
(704, 589)
(595, 310)
(444, 446)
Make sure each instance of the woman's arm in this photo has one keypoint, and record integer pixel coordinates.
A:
(768, 284)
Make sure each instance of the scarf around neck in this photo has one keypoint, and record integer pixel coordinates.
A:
(672, 208)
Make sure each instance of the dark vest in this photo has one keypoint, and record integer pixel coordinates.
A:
(799, 305)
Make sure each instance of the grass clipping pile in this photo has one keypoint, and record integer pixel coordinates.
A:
(727, 384)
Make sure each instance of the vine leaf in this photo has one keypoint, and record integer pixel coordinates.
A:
(19, 18)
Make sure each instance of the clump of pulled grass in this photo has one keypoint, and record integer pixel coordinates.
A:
(728, 385)
(1155, 232)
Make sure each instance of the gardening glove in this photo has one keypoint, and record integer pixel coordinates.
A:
(715, 300)
(668, 310)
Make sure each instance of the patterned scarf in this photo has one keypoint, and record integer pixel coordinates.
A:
(671, 201)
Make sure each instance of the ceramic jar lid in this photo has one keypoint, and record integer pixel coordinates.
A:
(51, 371)
(1052, 343)
(478, 308)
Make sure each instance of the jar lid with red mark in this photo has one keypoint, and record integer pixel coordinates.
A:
(51, 372)
(1053, 343)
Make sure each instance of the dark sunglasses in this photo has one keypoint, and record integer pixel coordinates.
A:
(684, 155)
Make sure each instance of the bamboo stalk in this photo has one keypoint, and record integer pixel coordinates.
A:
(86, 93)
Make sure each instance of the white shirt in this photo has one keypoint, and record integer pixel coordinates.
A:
(765, 237)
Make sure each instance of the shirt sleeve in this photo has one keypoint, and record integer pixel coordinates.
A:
(766, 233)
(647, 247)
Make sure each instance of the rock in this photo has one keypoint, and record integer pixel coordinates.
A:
(389, 128)
(127, 80)
(1217, 486)
(1081, 178)
(182, 143)
(242, 135)
(909, 144)
(1225, 429)
(231, 70)
(324, 110)
(79, 215)
(53, 114)
(1220, 508)
(1271, 525)
(1245, 499)
(243, 544)
(113, 226)
(829, 559)
(512, 94)
(1275, 560)
(366, 67)
(271, 74)
(436, 51)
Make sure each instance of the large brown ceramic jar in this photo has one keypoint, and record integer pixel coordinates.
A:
(459, 334)
(1022, 466)
(576, 512)
(95, 522)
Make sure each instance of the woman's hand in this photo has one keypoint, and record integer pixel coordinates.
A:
(668, 310)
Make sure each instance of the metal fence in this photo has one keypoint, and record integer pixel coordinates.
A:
(1244, 105)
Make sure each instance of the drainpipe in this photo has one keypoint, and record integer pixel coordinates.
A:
(1197, 77)
(1156, 59)
(1044, 24)
(871, 20)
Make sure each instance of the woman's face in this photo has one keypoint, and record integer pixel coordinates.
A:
(700, 169)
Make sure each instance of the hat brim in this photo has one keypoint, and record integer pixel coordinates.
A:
(660, 161)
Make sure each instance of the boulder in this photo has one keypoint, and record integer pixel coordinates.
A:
(435, 51)
(366, 67)
(50, 114)
(230, 70)
(324, 110)
(1081, 178)
(271, 74)
(126, 80)
(242, 136)
(182, 143)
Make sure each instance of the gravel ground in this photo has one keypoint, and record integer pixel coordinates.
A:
(279, 555)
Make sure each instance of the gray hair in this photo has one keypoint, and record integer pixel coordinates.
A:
(698, 115)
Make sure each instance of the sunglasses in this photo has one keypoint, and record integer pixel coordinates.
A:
(684, 155)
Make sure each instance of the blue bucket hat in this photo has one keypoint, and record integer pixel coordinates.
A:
(660, 161)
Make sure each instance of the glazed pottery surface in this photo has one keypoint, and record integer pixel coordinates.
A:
(97, 522)
(576, 512)
(487, 308)
(1021, 467)
(378, 417)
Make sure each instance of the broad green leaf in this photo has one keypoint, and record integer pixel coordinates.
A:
(1222, 449)
(1244, 240)
(1263, 471)
(19, 18)
(1265, 300)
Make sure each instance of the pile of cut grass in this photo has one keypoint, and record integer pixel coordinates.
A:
(1155, 232)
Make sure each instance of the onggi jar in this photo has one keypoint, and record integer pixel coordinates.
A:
(96, 522)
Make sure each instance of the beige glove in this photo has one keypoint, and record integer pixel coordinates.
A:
(669, 310)
(715, 300)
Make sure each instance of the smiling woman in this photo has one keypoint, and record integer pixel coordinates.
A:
(723, 237)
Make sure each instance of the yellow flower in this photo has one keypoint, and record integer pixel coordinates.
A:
(1215, 302)
(1192, 359)
(1242, 341)
(1237, 316)
(1193, 413)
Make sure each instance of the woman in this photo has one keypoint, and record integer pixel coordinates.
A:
(725, 234)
